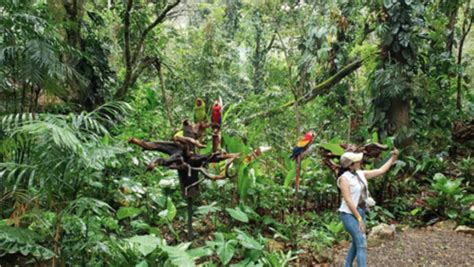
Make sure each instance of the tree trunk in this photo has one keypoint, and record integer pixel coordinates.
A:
(163, 93)
(399, 118)
(450, 27)
(135, 58)
(73, 19)
(466, 28)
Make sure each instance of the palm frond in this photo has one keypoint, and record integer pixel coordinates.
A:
(52, 129)
(80, 205)
(8, 53)
(41, 53)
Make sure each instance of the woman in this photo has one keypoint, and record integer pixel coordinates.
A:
(354, 188)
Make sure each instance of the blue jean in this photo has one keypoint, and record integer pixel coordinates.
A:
(359, 244)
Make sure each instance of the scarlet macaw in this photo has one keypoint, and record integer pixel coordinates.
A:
(303, 144)
(216, 116)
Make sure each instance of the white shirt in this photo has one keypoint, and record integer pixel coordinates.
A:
(355, 188)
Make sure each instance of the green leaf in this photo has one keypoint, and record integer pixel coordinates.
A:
(387, 3)
(15, 240)
(228, 111)
(127, 212)
(171, 210)
(415, 211)
(452, 214)
(238, 214)
(211, 208)
(235, 145)
(291, 175)
(336, 149)
(335, 227)
(225, 249)
(200, 252)
(247, 241)
(178, 255)
(143, 263)
(375, 137)
(145, 244)
(244, 181)
(388, 214)
(468, 199)
(151, 97)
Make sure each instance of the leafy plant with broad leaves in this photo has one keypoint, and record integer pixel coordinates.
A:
(59, 160)
(451, 200)
(24, 242)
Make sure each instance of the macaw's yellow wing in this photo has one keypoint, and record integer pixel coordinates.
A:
(302, 142)
(179, 134)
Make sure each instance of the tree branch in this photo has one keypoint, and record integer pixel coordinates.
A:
(372, 150)
(270, 45)
(229, 160)
(132, 71)
(188, 140)
(159, 19)
(157, 65)
(172, 162)
(162, 146)
(319, 89)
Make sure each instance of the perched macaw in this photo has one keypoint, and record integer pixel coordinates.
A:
(200, 111)
(216, 116)
(303, 144)
(179, 133)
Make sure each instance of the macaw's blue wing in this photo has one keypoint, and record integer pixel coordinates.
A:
(296, 152)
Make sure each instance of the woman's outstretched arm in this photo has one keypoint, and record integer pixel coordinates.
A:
(384, 168)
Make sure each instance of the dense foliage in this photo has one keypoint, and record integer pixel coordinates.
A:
(79, 78)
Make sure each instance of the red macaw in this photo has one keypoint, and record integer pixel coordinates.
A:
(216, 117)
(303, 144)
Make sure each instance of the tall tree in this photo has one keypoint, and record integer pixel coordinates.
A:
(391, 82)
(89, 54)
(260, 53)
(465, 29)
(135, 52)
(450, 9)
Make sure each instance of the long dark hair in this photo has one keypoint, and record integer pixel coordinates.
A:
(341, 171)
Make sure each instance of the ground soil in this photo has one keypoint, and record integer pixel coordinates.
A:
(419, 247)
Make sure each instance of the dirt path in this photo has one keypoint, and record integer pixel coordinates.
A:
(420, 247)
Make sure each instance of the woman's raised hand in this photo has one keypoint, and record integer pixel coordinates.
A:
(395, 153)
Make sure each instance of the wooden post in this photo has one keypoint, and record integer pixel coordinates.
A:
(216, 138)
(190, 218)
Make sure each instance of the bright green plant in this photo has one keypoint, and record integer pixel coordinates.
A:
(451, 200)
(278, 258)
(148, 250)
(23, 242)
(318, 242)
(223, 247)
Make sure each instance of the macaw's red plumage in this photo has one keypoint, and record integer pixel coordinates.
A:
(302, 145)
(216, 117)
